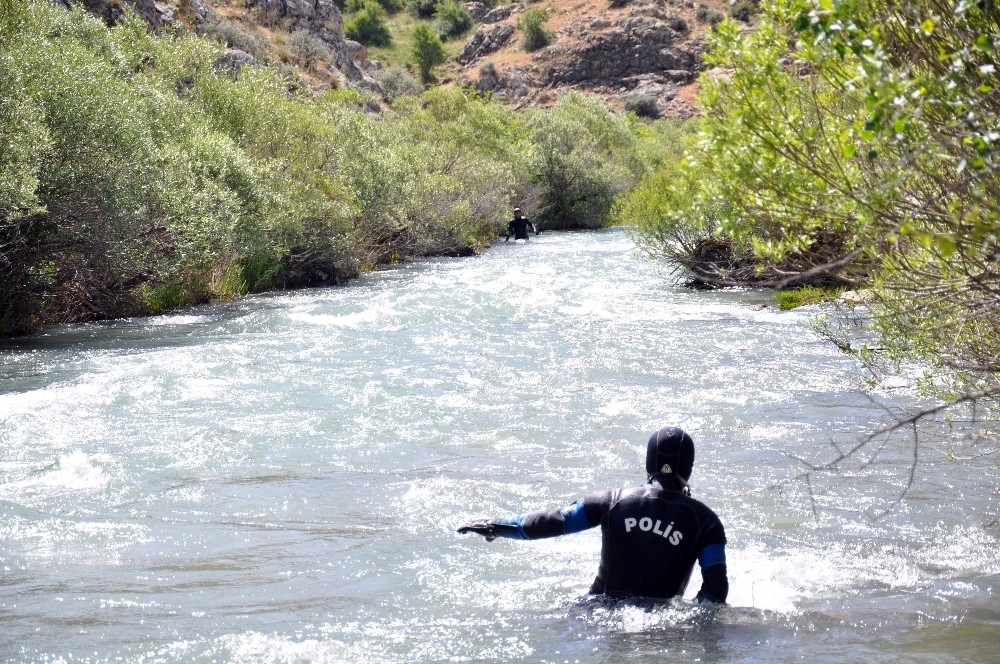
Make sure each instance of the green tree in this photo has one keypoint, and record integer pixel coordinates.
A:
(855, 141)
(368, 25)
(582, 157)
(428, 51)
(451, 19)
(532, 24)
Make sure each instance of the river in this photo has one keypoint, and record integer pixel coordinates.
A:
(279, 479)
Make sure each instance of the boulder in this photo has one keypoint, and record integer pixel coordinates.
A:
(489, 79)
(234, 60)
(356, 50)
(204, 14)
(485, 40)
(862, 297)
(155, 13)
(514, 84)
(632, 47)
(476, 10)
(502, 13)
(303, 14)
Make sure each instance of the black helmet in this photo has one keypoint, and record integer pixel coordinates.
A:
(670, 451)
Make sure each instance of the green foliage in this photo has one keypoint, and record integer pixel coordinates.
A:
(428, 52)
(390, 6)
(854, 141)
(451, 19)
(158, 298)
(397, 82)
(136, 177)
(422, 8)
(643, 105)
(237, 35)
(800, 297)
(927, 116)
(24, 144)
(532, 24)
(368, 25)
(309, 48)
(582, 158)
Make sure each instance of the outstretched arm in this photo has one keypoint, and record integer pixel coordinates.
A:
(540, 524)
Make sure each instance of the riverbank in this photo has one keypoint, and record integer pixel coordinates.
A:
(150, 172)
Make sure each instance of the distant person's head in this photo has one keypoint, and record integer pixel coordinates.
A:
(670, 451)
(517, 212)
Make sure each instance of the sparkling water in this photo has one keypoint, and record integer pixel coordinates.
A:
(280, 479)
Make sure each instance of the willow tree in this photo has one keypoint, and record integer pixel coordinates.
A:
(856, 140)
(920, 79)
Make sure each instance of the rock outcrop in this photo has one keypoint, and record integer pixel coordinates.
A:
(612, 49)
(485, 40)
(636, 47)
(299, 14)
(156, 13)
(321, 18)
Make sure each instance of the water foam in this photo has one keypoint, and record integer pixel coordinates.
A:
(72, 472)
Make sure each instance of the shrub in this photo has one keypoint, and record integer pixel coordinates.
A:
(397, 82)
(427, 51)
(536, 36)
(422, 8)
(489, 77)
(645, 106)
(390, 6)
(451, 19)
(368, 26)
(309, 48)
(582, 156)
(233, 35)
(806, 295)
(708, 16)
(743, 10)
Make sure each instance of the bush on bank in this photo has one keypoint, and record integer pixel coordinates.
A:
(852, 141)
(138, 175)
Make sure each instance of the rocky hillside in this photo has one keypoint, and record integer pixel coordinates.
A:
(616, 49)
(612, 48)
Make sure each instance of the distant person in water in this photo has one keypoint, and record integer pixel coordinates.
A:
(651, 535)
(518, 226)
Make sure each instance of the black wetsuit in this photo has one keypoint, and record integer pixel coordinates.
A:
(651, 537)
(518, 227)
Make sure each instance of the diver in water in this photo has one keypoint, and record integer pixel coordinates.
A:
(518, 226)
(651, 535)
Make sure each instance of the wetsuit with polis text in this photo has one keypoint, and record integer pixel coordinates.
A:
(651, 537)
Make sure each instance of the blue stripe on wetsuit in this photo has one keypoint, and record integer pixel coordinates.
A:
(575, 518)
(517, 520)
(713, 554)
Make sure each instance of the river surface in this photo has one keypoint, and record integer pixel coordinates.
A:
(279, 479)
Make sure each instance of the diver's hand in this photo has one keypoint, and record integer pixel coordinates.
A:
(488, 529)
